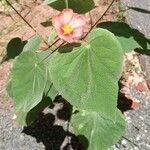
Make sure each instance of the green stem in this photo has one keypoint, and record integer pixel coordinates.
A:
(66, 2)
(52, 52)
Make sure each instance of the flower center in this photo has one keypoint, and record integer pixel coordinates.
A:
(67, 28)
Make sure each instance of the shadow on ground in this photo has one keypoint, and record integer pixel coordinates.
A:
(14, 48)
(52, 135)
(123, 103)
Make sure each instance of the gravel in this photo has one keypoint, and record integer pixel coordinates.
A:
(138, 129)
(11, 136)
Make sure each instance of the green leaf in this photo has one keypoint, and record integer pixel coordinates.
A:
(50, 90)
(79, 6)
(28, 83)
(33, 44)
(100, 132)
(43, 54)
(49, 94)
(129, 38)
(87, 76)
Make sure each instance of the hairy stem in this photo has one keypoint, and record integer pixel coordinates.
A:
(66, 2)
(52, 52)
(53, 43)
(21, 16)
(100, 18)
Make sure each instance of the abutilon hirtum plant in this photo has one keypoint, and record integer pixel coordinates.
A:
(84, 69)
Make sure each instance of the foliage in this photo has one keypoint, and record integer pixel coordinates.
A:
(79, 6)
(96, 127)
(94, 64)
(129, 38)
(86, 74)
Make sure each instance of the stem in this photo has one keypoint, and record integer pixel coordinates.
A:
(91, 22)
(21, 16)
(50, 45)
(52, 52)
(54, 43)
(99, 18)
(66, 2)
(102, 15)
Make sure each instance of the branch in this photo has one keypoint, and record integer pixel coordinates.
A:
(52, 52)
(99, 18)
(21, 16)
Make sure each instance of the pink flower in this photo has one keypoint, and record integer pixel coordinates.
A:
(69, 25)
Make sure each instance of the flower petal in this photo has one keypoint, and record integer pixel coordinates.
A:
(56, 22)
(67, 38)
(66, 16)
(77, 21)
(77, 32)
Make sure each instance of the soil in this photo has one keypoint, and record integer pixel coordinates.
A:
(43, 134)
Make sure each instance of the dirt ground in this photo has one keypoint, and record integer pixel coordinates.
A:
(12, 26)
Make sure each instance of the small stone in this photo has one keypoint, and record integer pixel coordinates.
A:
(145, 131)
(140, 87)
(14, 117)
(141, 117)
(136, 148)
(138, 138)
(148, 145)
(21, 137)
(135, 105)
(123, 142)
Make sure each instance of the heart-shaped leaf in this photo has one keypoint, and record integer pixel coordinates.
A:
(33, 44)
(79, 6)
(87, 76)
(27, 84)
(100, 132)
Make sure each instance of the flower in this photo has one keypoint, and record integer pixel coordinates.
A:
(69, 25)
